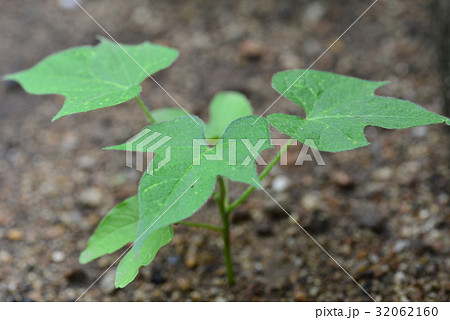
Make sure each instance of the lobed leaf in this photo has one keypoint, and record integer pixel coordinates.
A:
(338, 108)
(167, 195)
(95, 77)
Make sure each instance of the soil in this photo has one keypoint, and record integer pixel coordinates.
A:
(381, 211)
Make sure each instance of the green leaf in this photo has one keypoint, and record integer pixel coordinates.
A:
(129, 265)
(167, 195)
(338, 108)
(166, 114)
(119, 227)
(95, 77)
(224, 108)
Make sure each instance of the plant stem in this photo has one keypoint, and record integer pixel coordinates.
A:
(222, 201)
(263, 174)
(146, 110)
(200, 225)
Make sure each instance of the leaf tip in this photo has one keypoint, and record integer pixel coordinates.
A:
(119, 285)
(57, 116)
(84, 258)
(9, 77)
(380, 84)
(102, 39)
(123, 278)
(120, 147)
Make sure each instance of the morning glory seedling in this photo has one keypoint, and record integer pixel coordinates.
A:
(194, 161)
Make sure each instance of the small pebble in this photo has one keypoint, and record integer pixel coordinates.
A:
(175, 296)
(312, 47)
(300, 296)
(107, 282)
(91, 197)
(341, 179)
(184, 284)
(311, 202)
(5, 257)
(400, 277)
(173, 260)
(55, 231)
(68, 4)
(86, 162)
(250, 50)
(156, 293)
(419, 132)
(313, 13)
(281, 183)
(12, 286)
(401, 245)
(58, 256)
(259, 267)
(368, 216)
(221, 299)
(15, 235)
(196, 296)
(104, 262)
(69, 142)
(298, 261)
(383, 174)
(424, 214)
(314, 291)
(190, 259)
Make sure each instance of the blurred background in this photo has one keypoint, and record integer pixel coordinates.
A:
(381, 211)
